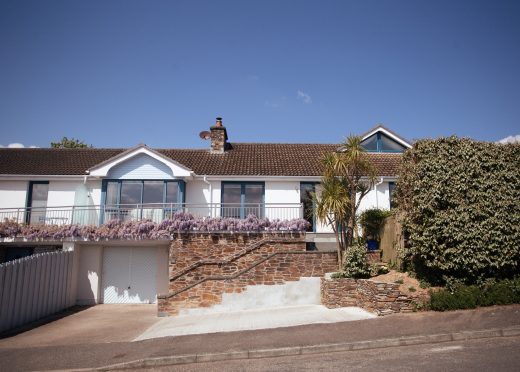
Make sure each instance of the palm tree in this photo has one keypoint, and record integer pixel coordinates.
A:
(348, 176)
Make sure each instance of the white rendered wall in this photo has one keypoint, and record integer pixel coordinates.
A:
(13, 194)
(376, 198)
(61, 193)
(89, 274)
(287, 195)
(141, 167)
(94, 187)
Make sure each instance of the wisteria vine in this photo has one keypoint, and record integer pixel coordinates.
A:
(146, 229)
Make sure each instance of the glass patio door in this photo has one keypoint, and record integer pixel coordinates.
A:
(240, 199)
(37, 202)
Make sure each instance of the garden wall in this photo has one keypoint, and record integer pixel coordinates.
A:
(377, 297)
(205, 266)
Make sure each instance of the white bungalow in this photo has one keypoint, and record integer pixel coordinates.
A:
(93, 185)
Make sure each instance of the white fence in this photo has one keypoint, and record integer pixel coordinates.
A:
(34, 287)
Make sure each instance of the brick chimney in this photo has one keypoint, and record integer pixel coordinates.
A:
(218, 137)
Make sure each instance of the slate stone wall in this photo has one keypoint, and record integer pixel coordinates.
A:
(204, 266)
(377, 297)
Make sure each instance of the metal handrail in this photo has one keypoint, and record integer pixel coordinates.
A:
(96, 214)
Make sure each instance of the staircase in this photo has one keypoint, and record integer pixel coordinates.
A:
(263, 273)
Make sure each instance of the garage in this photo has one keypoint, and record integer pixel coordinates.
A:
(129, 275)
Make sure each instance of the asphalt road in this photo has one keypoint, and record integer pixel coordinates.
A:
(498, 354)
(85, 341)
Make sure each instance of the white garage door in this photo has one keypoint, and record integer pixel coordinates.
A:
(129, 275)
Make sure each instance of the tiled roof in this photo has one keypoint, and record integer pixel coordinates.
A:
(246, 159)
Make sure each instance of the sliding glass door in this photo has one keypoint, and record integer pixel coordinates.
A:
(142, 199)
(240, 199)
(37, 202)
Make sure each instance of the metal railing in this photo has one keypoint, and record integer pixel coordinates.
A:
(157, 212)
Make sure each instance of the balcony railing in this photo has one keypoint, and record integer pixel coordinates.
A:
(95, 214)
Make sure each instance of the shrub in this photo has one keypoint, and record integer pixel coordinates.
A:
(461, 209)
(376, 269)
(356, 263)
(463, 297)
(371, 221)
(469, 297)
(145, 229)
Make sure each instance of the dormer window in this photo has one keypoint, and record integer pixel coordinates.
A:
(381, 143)
(381, 139)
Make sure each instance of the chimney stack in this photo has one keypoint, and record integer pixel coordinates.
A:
(218, 137)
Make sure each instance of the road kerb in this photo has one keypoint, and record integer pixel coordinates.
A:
(312, 349)
(282, 351)
(214, 357)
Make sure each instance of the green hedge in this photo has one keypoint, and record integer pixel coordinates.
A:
(504, 292)
(460, 204)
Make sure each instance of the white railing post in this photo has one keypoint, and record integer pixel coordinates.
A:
(72, 216)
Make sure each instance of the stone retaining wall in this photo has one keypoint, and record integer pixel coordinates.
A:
(377, 297)
(204, 266)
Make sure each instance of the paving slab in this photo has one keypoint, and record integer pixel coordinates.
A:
(287, 316)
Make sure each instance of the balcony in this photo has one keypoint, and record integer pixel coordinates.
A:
(96, 214)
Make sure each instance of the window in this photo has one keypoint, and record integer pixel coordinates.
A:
(306, 191)
(380, 142)
(37, 202)
(240, 199)
(139, 199)
(391, 188)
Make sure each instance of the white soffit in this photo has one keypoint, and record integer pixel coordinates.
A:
(102, 169)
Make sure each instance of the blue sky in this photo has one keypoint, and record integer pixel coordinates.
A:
(119, 73)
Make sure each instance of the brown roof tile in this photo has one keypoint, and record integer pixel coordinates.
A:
(247, 159)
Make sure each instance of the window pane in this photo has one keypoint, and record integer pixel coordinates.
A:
(39, 195)
(112, 191)
(370, 144)
(231, 193)
(131, 192)
(231, 200)
(306, 190)
(391, 188)
(388, 144)
(172, 192)
(253, 194)
(153, 191)
(253, 199)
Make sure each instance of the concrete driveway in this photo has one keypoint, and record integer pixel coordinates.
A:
(90, 325)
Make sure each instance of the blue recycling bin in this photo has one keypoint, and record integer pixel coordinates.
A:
(372, 245)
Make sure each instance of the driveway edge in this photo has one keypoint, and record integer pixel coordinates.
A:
(312, 349)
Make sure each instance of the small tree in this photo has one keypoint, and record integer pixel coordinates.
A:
(347, 178)
(71, 143)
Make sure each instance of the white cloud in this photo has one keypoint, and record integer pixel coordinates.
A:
(17, 145)
(510, 139)
(304, 97)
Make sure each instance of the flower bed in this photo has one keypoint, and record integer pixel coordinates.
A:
(146, 229)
